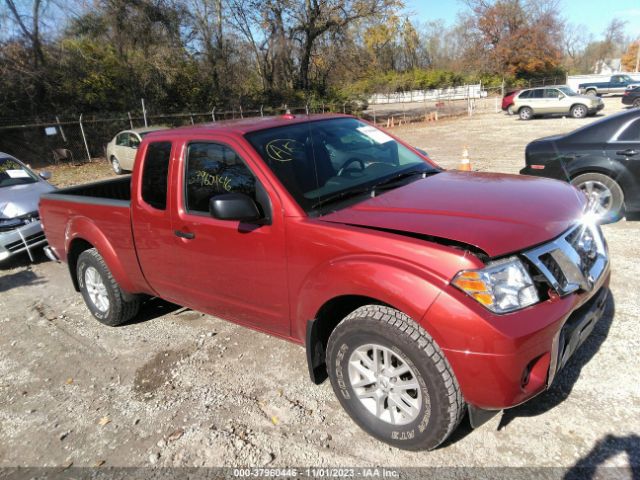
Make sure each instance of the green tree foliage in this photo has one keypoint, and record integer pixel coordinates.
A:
(66, 57)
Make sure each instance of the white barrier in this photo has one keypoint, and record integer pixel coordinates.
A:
(462, 92)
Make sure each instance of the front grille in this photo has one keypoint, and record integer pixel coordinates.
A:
(553, 267)
(573, 261)
(30, 240)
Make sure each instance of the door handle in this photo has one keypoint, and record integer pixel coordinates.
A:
(186, 235)
(629, 152)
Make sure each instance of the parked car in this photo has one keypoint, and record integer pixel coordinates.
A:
(632, 97)
(422, 294)
(617, 84)
(559, 100)
(20, 190)
(121, 150)
(601, 159)
(507, 101)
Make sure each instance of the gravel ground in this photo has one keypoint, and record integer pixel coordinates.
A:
(179, 388)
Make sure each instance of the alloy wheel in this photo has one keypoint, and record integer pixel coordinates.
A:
(96, 289)
(599, 197)
(385, 384)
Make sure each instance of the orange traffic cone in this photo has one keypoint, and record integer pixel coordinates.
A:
(465, 164)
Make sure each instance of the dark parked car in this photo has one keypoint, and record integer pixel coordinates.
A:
(602, 159)
(632, 97)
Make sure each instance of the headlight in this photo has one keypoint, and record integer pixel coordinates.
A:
(502, 286)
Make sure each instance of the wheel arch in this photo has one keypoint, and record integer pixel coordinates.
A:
(82, 234)
(75, 248)
(319, 329)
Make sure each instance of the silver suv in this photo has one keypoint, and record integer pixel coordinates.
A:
(560, 100)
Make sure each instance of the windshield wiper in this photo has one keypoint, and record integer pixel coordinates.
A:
(341, 196)
(395, 180)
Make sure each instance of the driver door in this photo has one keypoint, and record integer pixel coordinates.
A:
(228, 268)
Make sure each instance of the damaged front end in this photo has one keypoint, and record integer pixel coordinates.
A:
(20, 234)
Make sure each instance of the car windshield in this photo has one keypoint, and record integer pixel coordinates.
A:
(326, 161)
(13, 172)
(567, 91)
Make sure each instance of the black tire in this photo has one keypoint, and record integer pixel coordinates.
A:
(442, 406)
(121, 306)
(579, 111)
(525, 113)
(616, 207)
(636, 103)
(115, 165)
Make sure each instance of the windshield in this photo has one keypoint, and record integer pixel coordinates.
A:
(567, 91)
(13, 172)
(325, 161)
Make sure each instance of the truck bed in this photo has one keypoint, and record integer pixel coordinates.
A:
(112, 189)
(98, 213)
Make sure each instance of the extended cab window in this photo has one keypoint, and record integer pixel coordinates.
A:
(155, 173)
(213, 169)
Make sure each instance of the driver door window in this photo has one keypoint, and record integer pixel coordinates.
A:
(213, 169)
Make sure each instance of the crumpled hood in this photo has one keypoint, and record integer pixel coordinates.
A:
(19, 200)
(496, 213)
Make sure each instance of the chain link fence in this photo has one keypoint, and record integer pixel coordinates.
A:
(63, 139)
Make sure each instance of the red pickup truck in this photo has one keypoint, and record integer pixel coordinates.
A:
(421, 293)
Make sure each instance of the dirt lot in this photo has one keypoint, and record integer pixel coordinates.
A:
(178, 388)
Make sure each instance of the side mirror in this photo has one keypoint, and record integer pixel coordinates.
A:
(233, 206)
(45, 175)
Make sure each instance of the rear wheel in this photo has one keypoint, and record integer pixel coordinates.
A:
(525, 113)
(604, 196)
(104, 298)
(636, 103)
(392, 378)
(579, 111)
(592, 92)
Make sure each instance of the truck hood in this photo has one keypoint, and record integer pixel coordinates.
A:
(18, 200)
(496, 213)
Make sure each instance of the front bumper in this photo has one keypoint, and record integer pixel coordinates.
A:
(21, 239)
(597, 108)
(503, 361)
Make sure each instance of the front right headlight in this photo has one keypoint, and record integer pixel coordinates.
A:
(502, 287)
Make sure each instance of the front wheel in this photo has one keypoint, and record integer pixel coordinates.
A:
(636, 103)
(115, 164)
(393, 379)
(579, 111)
(525, 113)
(104, 298)
(604, 196)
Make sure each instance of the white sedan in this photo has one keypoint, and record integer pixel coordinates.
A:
(121, 151)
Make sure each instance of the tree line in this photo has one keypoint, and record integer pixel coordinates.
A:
(104, 55)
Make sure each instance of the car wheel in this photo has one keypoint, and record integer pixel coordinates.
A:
(525, 113)
(510, 110)
(592, 92)
(393, 379)
(579, 111)
(604, 196)
(115, 164)
(636, 103)
(104, 298)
